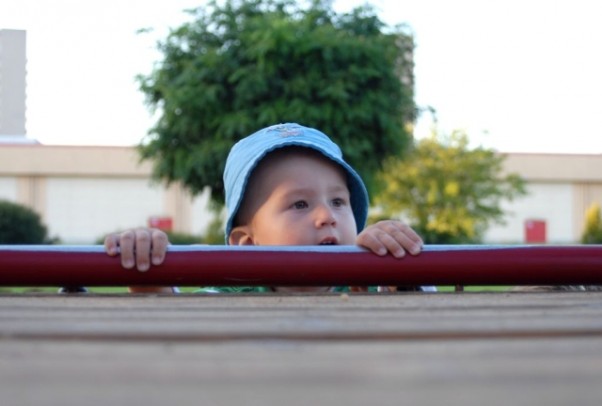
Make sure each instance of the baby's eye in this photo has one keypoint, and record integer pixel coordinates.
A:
(338, 202)
(301, 204)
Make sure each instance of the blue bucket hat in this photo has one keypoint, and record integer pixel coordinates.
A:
(248, 152)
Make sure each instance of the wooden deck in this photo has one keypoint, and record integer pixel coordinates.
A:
(397, 349)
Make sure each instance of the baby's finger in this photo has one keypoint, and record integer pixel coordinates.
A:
(392, 244)
(412, 235)
(406, 237)
(159, 246)
(143, 249)
(111, 244)
(126, 243)
(370, 241)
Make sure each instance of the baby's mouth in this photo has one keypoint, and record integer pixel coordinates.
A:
(328, 241)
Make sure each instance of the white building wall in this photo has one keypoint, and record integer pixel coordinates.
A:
(550, 202)
(200, 216)
(8, 188)
(82, 210)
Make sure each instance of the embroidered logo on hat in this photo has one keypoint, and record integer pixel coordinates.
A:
(286, 130)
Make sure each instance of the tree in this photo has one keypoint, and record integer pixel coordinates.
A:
(20, 225)
(447, 191)
(244, 65)
(593, 226)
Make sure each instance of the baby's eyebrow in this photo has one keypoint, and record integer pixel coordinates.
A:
(339, 188)
(297, 192)
(304, 191)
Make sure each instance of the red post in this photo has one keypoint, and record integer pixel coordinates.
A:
(161, 222)
(535, 231)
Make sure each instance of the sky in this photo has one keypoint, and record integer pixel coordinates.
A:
(516, 75)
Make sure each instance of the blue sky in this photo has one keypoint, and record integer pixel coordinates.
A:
(517, 75)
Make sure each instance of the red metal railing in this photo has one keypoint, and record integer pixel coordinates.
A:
(296, 266)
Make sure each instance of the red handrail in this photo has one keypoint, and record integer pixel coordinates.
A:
(307, 266)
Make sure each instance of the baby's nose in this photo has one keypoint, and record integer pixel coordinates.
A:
(324, 216)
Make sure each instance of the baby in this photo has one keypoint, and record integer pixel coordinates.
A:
(285, 185)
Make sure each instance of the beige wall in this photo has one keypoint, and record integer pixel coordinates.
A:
(83, 193)
(76, 207)
(561, 187)
(556, 167)
(551, 202)
(8, 188)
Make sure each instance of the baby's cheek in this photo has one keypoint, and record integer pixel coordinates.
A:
(349, 237)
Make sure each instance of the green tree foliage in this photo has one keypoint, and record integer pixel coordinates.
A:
(593, 226)
(20, 225)
(243, 65)
(447, 191)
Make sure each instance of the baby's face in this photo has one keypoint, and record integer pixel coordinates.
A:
(299, 198)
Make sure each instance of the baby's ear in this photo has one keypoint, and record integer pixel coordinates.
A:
(241, 235)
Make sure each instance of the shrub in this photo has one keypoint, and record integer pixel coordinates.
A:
(20, 225)
(176, 238)
(593, 226)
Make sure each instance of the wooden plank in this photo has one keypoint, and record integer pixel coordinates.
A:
(239, 322)
(523, 372)
(199, 317)
(92, 349)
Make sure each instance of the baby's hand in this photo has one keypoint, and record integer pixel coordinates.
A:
(391, 236)
(138, 247)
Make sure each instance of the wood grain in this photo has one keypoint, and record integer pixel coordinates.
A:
(411, 348)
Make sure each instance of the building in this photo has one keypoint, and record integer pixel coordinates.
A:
(560, 189)
(83, 193)
(12, 83)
